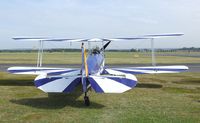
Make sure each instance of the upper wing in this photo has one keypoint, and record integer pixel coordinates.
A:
(49, 39)
(152, 36)
(44, 70)
(146, 70)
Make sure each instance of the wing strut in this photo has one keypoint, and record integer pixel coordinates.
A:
(153, 53)
(40, 54)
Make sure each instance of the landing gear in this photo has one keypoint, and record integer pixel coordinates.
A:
(86, 100)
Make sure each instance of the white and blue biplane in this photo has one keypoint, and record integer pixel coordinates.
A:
(93, 73)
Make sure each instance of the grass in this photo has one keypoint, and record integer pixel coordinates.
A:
(160, 98)
(164, 98)
(75, 58)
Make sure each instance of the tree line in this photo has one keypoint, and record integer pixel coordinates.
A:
(184, 49)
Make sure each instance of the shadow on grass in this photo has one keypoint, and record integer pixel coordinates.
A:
(148, 85)
(190, 81)
(11, 82)
(57, 101)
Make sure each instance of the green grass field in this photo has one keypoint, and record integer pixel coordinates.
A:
(163, 98)
(75, 58)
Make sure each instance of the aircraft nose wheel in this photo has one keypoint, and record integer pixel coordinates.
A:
(86, 100)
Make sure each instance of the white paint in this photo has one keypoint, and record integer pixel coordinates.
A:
(136, 69)
(110, 86)
(57, 85)
(43, 70)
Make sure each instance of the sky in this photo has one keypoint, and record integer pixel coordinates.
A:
(99, 19)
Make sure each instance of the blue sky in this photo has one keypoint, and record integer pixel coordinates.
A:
(103, 18)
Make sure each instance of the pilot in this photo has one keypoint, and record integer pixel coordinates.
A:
(96, 50)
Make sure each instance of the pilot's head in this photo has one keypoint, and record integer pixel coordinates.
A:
(96, 50)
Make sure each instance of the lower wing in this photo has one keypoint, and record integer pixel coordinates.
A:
(43, 70)
(147, 70)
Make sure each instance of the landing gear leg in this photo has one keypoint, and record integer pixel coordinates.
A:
(86, 100)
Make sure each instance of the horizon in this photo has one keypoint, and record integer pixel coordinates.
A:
(29, 49)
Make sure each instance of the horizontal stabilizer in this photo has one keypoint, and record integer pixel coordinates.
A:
(112, 84)
(57, 84)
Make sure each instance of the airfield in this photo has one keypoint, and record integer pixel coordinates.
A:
(160, 98)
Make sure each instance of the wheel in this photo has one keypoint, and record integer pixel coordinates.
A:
(86, 100)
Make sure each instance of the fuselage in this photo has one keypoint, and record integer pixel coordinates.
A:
(95, 62)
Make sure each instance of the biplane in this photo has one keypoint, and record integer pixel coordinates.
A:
(92, 73)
